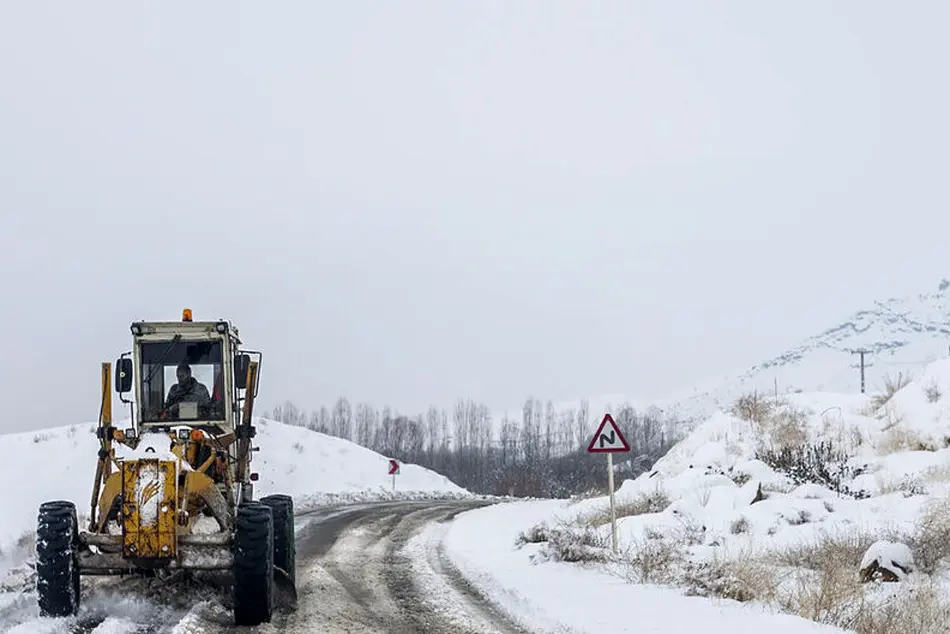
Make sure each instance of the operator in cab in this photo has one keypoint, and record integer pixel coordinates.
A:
(187, 390)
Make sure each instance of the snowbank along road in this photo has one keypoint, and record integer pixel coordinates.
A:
(361, 568)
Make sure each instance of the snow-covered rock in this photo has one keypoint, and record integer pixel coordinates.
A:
(889, 561)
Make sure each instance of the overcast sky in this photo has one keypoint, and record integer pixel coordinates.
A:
(406, 203)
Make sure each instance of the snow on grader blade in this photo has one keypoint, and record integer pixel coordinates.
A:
(174, 491)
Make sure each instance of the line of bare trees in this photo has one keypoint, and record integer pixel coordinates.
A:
(542, 453)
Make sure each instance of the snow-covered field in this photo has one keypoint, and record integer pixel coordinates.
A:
(317, 469)
(738, 514)
(548, 596)
(785, 515)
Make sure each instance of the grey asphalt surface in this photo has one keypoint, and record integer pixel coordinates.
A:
(360, 580)
(354, 576)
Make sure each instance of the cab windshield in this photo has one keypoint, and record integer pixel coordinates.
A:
(182, 380)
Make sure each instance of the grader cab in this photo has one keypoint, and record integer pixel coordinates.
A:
(174, 490)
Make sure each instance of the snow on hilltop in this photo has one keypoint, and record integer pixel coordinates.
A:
(798, 503)
(60, 463)
(902, 334)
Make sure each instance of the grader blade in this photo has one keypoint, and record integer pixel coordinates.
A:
(285, 596)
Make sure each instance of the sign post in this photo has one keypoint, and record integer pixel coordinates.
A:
(609, 441)
(393, 470)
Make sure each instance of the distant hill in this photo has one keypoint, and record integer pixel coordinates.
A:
(901, 335)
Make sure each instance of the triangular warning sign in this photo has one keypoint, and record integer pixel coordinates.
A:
(608, 438)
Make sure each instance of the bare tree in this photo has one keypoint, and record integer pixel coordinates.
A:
(341, 420)
(543, 454)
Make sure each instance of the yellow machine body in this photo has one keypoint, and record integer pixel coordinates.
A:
(149, 509)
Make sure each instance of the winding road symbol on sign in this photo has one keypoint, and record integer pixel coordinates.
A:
(608, 441)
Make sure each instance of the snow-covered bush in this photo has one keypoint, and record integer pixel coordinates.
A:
(655, 501)
(930, 543)
(567, 542)
(820, 463)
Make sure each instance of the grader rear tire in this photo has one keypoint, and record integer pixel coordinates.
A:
(57, 565)
(285, 548)
(253, 564)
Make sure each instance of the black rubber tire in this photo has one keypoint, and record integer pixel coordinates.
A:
(253, 550)
(57, 563)
(285, 546)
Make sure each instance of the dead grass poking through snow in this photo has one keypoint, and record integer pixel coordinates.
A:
(935, 474)
(930, 543)
(589, 494)
(776, 424)
(932, 391)
(753, 407)
(741, 579)
(566, 542)
(786, 427)
(922, 609)
(820, 581)
(654, 501)
(660, 556)
(899, 439)
(831, 550)
(892, 385)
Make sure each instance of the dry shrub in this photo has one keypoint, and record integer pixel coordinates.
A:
(566, 542)
(535, 535)
(654, 560)
(932, 391)
(742, 579)
(937, 473)
(908, 485)
(661, 556)
(921, 608)
(831, 591)
(572, 545)
(828, 595)
(831, 550)
(930, 543)
(899, 438)
(753, 407)
(786, 427)
(818, 581)
(820, 463)
(892, 385)
(776, 424)
(739, 526)
(654, 501)
(740, 478)
(589, 494)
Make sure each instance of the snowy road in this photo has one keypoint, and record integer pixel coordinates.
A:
(367, 576)
(361, 568)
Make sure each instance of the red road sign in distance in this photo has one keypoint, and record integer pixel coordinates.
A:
(393, 467)
(608, 440)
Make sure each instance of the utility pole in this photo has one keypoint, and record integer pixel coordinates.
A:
(861, 352)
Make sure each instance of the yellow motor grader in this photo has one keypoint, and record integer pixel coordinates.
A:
(174, 491)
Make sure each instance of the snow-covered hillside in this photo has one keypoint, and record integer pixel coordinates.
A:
(785, 502)
(60, 463)
(901, 334)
